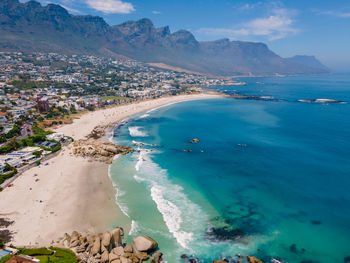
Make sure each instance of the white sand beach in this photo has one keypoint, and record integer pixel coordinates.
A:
(80, 128)
(71, 193)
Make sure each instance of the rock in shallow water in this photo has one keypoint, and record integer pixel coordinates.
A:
(157, 257)
(144, 243)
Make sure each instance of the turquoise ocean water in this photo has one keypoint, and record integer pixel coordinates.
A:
(268, 178)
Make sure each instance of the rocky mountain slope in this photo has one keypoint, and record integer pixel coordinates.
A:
(31, 27)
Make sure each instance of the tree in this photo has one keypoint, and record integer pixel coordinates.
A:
(72, 109)
(2, 243)
(37, 154)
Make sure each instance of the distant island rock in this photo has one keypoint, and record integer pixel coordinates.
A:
(31, 27)
(322, 100)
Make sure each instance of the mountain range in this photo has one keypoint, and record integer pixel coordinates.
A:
(31, 27)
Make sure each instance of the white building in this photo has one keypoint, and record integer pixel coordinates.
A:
(55, 136)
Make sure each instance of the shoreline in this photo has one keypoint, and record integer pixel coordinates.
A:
(108, 118)
(72, 193)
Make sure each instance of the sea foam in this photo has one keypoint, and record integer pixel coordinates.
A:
(179, 213)
(171, 215)
(140, 159)
(121, 205)
(136, 131)
(144, 116)
(134, 227)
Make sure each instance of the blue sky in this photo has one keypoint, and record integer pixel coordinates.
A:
(310, 27)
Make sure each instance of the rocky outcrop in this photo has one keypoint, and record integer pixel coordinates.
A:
(253, 260)
(98, 132)
(99, 151)
(144, 243)
(108, 247)
(157, 257)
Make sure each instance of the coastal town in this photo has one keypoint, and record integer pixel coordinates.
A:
(55, 113)
(39, 91)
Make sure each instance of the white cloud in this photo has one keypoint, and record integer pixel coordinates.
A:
(277, 25)
(248, 7)
(334, 13)
(111, 6)
(155, 12)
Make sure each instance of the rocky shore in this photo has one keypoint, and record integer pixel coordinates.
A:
(108, 247)
(99, 151)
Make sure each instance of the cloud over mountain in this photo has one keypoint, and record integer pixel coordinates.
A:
(111, 6)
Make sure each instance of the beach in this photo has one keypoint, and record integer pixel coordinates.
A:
(69, 192)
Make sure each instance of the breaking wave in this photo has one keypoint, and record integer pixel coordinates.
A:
(136, 131)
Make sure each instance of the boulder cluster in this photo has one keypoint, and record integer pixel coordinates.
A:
(108, 247)
(98, 132)
(99, 151)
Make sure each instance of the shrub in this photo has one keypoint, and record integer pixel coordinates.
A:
(4, 177)
(5, 258)
(63, 255)
(2, 243)
(37, 154)
(37, 252)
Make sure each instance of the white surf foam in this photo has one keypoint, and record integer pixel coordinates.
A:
(121, 205)
(140, 159)
(144, 116)
(139, 179)
(182, 217)
(159, 107)
(171, 215)
(135, 131)
(119, 193)
(134, 227)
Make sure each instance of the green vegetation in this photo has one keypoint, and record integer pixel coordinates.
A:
(27, 84)
(38, 154)
(36, 252)
(45, 255)
(115, 98)
(15, 131)
(39, 134)
(53, 150)
(14, 144)
(2, 243)
(90, 108)
(5, 176)
(5, 258)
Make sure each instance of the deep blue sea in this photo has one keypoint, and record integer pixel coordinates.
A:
(267, 178)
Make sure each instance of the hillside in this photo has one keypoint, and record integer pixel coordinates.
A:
(31, 27)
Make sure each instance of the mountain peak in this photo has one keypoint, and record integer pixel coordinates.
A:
(164, 31)
(32, 4)
(56, 10)
(145, 22)
(32, 27)
(310, 61)
(185, 39)
(142, 26)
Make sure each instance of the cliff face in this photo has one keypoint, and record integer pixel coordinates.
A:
(32, 27)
